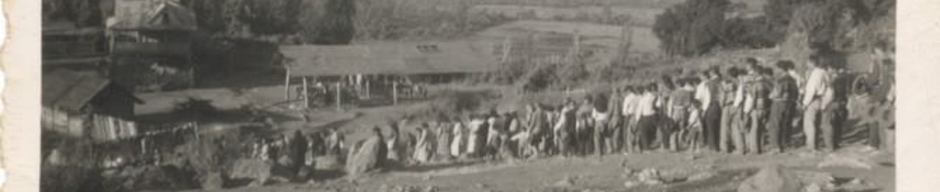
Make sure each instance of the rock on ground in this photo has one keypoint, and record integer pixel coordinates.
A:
(771, 179)
(251, 168)
(853, 157)
(836, 160)
(701, 176)
(328, 162)
(631, 184)
(650, 176)
(212, 181)
(564, 182)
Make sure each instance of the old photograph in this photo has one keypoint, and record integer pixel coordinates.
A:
(468, 95)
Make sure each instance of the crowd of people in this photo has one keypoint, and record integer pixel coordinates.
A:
(754, 108)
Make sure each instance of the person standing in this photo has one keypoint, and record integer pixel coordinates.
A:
(563, 127)
(475, 139)
(457, 142)
(335, 142)
(783, 101)
(510, 148)
(536, 127)
(444, 138)
(739, 121)
(725, 95)
(812, 103)
(601, 117)
(861, 111)
(887, 121)
(615, 126)
(495, 128)
(394, 145)
(646, 116)
(709, 94)
(681, 100)
(629, 123)
(665, 126)
(694, 127)
(422, 152)
(834, 109)
(755, 105)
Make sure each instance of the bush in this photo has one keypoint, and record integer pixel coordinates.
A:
(691, 28)
(451, 103)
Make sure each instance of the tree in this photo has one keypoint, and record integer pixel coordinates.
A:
(271, 16)
(780, 12)
(336, 25)
(211, 15)
(83, 13)
(692, 27)
(755, 32)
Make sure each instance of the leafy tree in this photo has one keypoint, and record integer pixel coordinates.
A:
(336, 25)
(211, 15)
(83, 13)
(692, 27)
(755, 32)
(780, 12)
(271, 16)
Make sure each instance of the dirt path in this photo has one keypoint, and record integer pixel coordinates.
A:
(589, 173)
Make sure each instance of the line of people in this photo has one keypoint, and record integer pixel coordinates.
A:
(745, 110)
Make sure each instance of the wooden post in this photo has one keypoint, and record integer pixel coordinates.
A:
(394, 92)
(287, 85)
(368, 90)
(195, 129)
(306, 95)
(339, 97)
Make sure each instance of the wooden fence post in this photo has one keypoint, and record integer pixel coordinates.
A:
(339, 97)
(287, 85)
(306, 95)
(394, 92)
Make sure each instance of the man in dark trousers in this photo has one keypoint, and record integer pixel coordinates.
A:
(783, 105)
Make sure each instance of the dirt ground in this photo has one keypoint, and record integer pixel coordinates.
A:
(592, 174)
(548, 174)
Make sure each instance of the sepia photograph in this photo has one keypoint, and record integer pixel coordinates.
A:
(468, 95)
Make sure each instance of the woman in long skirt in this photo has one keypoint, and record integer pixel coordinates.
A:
(422, 153)
(457, 141)
(443, 139)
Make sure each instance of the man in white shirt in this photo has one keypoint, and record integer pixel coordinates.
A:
(629, 122)
(707, 94)
(646, 116)
(813, 91)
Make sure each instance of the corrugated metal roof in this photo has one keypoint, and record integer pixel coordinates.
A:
(389, 58)
(71, 90)
(152, 15)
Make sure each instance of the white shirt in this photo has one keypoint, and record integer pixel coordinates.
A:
(739, 94)
(599, 116)
(703, 94)
(815, 85)
(629, 104)
(646, 105)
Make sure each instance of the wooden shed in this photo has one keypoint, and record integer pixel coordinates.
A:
(85, 104)
(382, 65)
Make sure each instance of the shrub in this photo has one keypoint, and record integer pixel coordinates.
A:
(691, 28)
